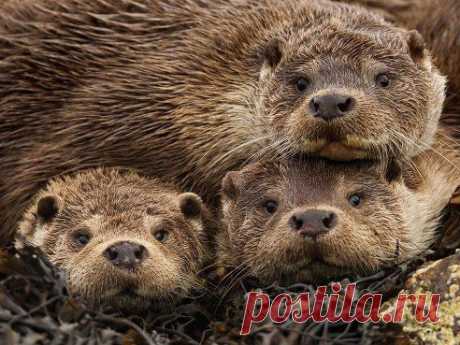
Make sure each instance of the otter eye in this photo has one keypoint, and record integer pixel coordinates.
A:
(301, 84)
(161, 235)
(382, 80)
(81, 238)
(354, 200)
(270, 206)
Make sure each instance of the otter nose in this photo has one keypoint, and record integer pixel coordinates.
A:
(126, 255)
(331, 106)
(312, 223)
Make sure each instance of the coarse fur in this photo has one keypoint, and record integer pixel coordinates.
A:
(189, 90)
(437, 21)
(110, 207)
(397, 218)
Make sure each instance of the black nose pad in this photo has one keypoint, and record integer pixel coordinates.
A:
(126, 255)
(312, 223)
(331, 106)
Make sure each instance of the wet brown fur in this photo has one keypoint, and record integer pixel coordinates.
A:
(438, 23)
(182, 89)
(398, 216)
(113, 206)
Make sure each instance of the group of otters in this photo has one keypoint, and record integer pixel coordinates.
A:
(293, 140)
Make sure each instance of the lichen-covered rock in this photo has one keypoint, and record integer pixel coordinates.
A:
(437, 277)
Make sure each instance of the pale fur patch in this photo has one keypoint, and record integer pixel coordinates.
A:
(435, 106)
(424, 206)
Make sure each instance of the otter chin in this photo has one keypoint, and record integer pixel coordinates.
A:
(314, 271)
(128, 298)
(343, 152)
(340, 147)
(352, 148)
(311, 220)
(132, 299)
(343, 148)
(122, 240)
(312, 268)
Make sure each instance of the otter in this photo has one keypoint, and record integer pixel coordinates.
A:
(121, 239)
(188, 90)
(437, 22)
(312, 220)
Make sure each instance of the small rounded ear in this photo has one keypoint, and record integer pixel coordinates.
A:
(47, 208)
(190, 204)
(416, 45)
(393, 171)
(231, 184)
(273, 53)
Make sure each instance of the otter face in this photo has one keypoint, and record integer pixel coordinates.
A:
(348, 90)
(314, 220)
(120, 245)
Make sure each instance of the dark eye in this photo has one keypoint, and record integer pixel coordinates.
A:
(382, 80)
(301, 84)
(354, 200)
(82, 238)
(161, 235)
(270, 206)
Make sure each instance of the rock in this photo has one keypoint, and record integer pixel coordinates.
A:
(436, 277)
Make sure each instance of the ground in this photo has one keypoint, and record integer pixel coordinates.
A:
(35, 308)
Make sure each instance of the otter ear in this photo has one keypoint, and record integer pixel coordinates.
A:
(393, 171)
(47, 208)
(231, 184)
(272, 55)
(190, 204)
(416, 45)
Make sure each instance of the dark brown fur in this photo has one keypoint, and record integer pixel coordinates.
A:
(113, 207)
(191, 89)
(397, 218)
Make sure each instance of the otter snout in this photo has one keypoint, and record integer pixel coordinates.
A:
(126, 255)
(331, 105)
(312, 223)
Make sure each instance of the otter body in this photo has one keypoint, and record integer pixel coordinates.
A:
(121, 239)
(189, 90)
(315, 220)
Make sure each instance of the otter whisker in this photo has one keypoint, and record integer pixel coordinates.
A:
(241, 274)
(426, 146)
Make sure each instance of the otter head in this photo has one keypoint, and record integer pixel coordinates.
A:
(343, 84)
(123, 241)
(315, 220)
